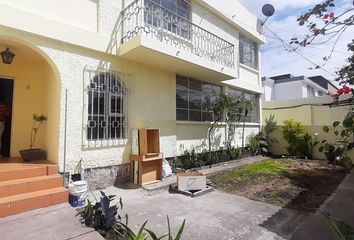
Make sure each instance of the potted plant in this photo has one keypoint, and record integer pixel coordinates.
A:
(34, 153)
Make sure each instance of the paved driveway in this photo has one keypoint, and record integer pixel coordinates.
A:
(213, 216)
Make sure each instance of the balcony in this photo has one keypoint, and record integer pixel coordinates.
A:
(156, 36)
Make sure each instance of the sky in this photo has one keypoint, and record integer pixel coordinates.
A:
(276, 60)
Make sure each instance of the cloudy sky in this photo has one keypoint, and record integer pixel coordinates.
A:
(276, 60)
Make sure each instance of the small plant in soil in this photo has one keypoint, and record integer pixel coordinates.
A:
(38, 120)
(34, 154)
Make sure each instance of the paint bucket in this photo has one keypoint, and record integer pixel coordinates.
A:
(78, 194)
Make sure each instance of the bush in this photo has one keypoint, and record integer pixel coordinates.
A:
(292, 133)
(191, 159)
(254, 144)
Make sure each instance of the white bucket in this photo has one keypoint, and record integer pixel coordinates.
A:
(79, 186)
(78, 194)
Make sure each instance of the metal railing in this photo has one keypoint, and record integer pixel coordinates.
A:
(153, 20)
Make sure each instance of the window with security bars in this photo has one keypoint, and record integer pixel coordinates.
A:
(192, 98)
(106, 107)
(253, 114)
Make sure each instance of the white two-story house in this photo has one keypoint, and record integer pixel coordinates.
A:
(99, 68)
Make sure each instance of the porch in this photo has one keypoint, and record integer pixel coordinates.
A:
(28, 85)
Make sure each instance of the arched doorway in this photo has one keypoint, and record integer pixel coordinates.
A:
(31, 86)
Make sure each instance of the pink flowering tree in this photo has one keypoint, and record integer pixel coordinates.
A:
(325, 25)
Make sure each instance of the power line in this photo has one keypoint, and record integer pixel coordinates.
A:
(311, 46)
(289, 48)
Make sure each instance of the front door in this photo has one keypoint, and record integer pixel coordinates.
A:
(6, 96)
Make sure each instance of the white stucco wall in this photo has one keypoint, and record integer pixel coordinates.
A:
(78, 13)
(288, 90)
(152, 91)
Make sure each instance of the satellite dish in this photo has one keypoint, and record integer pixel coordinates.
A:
(268, 10)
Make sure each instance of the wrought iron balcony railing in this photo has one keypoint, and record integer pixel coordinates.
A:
(153, 20)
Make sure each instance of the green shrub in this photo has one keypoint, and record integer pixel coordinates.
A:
(191, 159)
(292, 133)
(264, 136)
(254, 144)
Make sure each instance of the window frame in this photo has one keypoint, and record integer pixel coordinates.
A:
(203, 112)
(104, 132)
(253, 49)
(161, 24)
(256, 96)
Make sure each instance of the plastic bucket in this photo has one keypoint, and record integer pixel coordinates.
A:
(78, 194)
(79, 186)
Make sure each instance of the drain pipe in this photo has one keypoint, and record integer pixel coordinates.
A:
(66, 176)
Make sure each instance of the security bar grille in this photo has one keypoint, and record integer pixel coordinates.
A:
(161, 22)
(106, 120)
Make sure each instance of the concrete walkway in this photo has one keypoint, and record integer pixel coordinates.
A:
(340, 205)
(52, 223)
(213, 216)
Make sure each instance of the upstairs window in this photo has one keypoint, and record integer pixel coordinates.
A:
(248, 51)
(191, 99)
(171, 15)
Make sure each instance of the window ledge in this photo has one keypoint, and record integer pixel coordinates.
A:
(208, 123)
(249, 68)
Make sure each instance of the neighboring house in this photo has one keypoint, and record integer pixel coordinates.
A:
(99, 68)
(286, 87)
(313, 113)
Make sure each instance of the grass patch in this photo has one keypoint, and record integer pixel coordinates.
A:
(268, 167)
(297, 184)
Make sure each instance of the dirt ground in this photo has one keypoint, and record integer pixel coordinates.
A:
(302, 185)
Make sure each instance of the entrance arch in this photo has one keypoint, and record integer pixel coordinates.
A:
(36, 90)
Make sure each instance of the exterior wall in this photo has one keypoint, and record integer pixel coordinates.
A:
(289, 90)
(78, 13)
(148, 106)
(152, 91)
(52, 101)
(312, 114)
(195, 136)
(28, 98)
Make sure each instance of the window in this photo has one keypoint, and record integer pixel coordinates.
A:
(107, 113)
(310, 91)
(248, 52)
(171, 15)
(192, 97)
(253, 114)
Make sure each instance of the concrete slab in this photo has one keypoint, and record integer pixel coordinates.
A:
(213, 216)
(340, 205)
(53, 223)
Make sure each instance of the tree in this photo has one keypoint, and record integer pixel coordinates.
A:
(326, 26)
(223, 107)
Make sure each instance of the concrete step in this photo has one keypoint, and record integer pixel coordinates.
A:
(33, 200)
(14, 171)
(26, 185)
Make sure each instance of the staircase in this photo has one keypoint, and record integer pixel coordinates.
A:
(25, 187)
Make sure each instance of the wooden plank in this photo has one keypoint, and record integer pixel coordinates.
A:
(159, 170)
(143, 142)
(150, 171)
(140, 170)
(136, 157)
